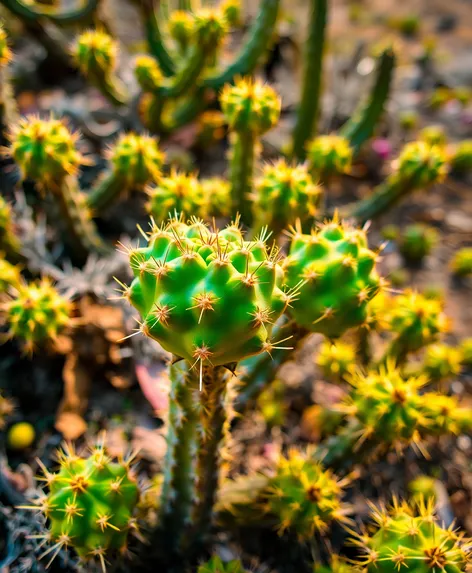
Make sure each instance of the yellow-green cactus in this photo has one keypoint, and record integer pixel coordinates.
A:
(329, 155)
(461, 263)
(5, 52)
(217, 195)
(336, 360)
(181, 27)
(461, 160)
(336, 564)
(466, 352)
(148, 73)
(271, 403)
(422, 488)
(9, 275)
(441, 362)
(433, 135)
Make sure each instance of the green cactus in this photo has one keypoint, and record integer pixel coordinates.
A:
(441, 362)
(461, 263)
(250, 109)
(9, 242)
(95, 53)
(417, 242)
(337, 564)
(466, 352)
(9, 275)
(423, 487)
(232, 12)
(89, 506)
(310, 99)
(148, 73)
(408, 120)
(45, 152)
(216, 565)
(178, 193)
(444, 415)
(283, 194)
(433, 135)
(135, 161)
(407, 536)
(329, 155)
(35, 314)
(461, 160)
(336, 360)
(418, 166)
(304, 497)
(211, 128)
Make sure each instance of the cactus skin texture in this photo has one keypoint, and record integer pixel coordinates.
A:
(89, 505)
(9, 242)
(283, 194)
(334, 253)
(417, 242)
(45, 152)
(418, 166)
(304, 497)
(336, 360)
(329, 155)
(409, 537)
(135, 161)
(9, 275)
(250, 108)
(461, 160)
(95, 54)
(441, 362)
(217, 193)
(461, 263)
(36, 314)
(216, 565)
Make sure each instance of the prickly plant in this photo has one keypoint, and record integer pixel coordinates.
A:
(180, 28)
(417, 241)
(9, 241)
(45, 151)
(304, 497)
(216, 565)
(95, 53)
(283, 194)
(35, 314)
(329, 155)
(444, 415)
(211, 128)
(418, 166)
(461, 160)
(409, 536)
(336, 564)
(217, 195)
(250, 108)
(89, 505)
(461, 263)
(441, 362)
(9, 275)
(466, 352)
(336, 360)
(136, 160)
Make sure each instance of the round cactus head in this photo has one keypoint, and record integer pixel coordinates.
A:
(178, 193)
(90, 504)
(461, 160)
(181, 27)
(8, 239)
(417, 241)
(444, 415)
(9, 275)
(44, 149)
(217, 195)
(207, 296)
(36, 314)
(250, 106)
(387, 406)
(329, 155)
(209, 28)
(461, 263)
(333, 254)
(285, 193)
(441, 362)
(408, 536)
(336, 360)
(433, 135)
(95, 52)
(136, 159)
(421, 164)
(5, 52)
(416, 320)
(148, 73)
(305, 497)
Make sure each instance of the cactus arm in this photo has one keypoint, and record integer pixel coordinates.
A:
(380, 200)
(187, 76)
(113, 89)
(260, 36)
(362, 124)
(104, 193)
(312, 78)
(58, 16)
(242, 159)
(154, 37)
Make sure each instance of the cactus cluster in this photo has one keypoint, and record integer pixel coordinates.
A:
(461, 160)
(9, 241)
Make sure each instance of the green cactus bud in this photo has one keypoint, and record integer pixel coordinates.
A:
(422, 488)
(329, 155)
(284, 194)
(178, 193)
(417, 241)
(304, 497)
(217, 195)
(206, 296)
(209, 28)
(334, 253)
(9, 275)
(148, 73)
(390, 232)
(6, 409)
(181, 28)
(461, 160)
(466, 351)
(90, 504)
(216, 565)
(441, 362)
(336, 360)
(44, 149)
(337, 564)
(5, 52)
(433, 135)
(461, 263)
(36, 314)
(402, 537)
(272, 405)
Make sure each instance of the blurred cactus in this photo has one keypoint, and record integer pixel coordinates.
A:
(232, 12)
(9, 275)
(211, 128)
(417, 242)
(217, 195)
(8, 111)
(250, 109)
(461, 159)
(441, 362)
(336, 360)
(336, 564)
(433, 135)
(181, 27)
(461, 263)
(423, 488)
(329, 155)
(216, 565)
(445, 415)
(272, 405)
(466, 352)
(408, 120)
(319, 422)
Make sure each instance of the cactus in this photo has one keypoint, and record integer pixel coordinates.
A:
(461, 160)
(6, 409)
(284, 194)
(9, 242)
(181, 27)
(445, 415)
(45, 152)
(418, 166)
(423, 487)
(441, 362)
(36, 313)
(28, 11)
(336, 360)
(9, 275)
(407, 536)
(216, 565)
(250, 109)
(417, 241)
(211, 128)
(232, 12)
(461, 263)
(304, 497)
(8, 111)
(433, 135)
(329, 155)
(310, 99)
(89, 506)
(135, 161)
(95, 54)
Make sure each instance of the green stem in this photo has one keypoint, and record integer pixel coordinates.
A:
(157, 47)
(105, 193)
(243, 152)
(361, 126)
(112, 88)
(186, 77)
(309, 108)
